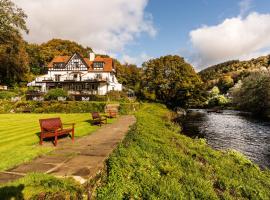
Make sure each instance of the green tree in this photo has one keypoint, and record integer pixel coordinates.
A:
(253, 94)
(171, 80)
(12, 20)
(36, 58)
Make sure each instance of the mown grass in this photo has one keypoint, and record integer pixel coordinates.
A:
(156, 162)
(19, 135)
(41, 186)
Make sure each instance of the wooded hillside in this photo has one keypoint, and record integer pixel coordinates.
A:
(225, 75)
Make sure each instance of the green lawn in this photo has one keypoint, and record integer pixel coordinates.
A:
(19, 140)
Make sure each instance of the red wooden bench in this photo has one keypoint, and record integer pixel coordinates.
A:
(98, 119)
(53, 127)
(112, 113)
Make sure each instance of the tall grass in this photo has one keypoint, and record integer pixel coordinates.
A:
(156, 162)
(19, 135)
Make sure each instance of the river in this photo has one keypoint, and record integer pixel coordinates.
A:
(232, 130)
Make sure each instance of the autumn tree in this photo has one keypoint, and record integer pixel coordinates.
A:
(41, 55)
(13, 56)
(58, 47)
(253, 93)
(225, 83)
(128, 74)
(12, 20)
(171, 80)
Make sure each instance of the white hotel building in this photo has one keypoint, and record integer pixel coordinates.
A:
(78, 75)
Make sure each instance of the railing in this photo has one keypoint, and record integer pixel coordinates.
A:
(43, 79)
(50, 79)
(83, 92)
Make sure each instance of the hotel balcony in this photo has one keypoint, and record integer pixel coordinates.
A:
(69, 80)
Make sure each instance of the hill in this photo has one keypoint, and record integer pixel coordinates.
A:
(225, 75)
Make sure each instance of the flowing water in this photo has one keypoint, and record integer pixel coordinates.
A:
(232, 130)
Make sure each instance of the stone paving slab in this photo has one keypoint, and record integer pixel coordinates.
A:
(6, 177)
(82, 159)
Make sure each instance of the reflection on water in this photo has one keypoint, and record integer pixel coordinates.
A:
(232, 130)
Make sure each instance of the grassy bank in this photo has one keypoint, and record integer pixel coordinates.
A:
(42, 187)
(156, 162)
(19, 135)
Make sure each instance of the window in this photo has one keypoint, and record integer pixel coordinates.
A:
(57, 77)
(58, 65)
(76, 63)
(98, 65)
(98, 76)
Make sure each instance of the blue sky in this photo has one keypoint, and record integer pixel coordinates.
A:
(205, 32)
(175, 19)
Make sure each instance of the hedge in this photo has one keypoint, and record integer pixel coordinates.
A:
(61, 107)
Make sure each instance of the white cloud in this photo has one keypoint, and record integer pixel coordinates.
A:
(107, 26)
(245, 6)
(234, 38)
(138, 60)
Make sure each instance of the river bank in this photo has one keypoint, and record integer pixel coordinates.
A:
(231, 129)
(155, 161)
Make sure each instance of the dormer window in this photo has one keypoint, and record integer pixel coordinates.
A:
(98, 65)
(58, 65)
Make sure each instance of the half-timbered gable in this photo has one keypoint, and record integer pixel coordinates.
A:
(76, 63)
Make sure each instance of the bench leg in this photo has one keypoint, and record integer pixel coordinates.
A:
(72, 137)
(41, 139)
(55, 140)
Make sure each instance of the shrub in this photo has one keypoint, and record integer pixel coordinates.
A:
(216, 99)
(7, 94)
(117, 96)
(219, 100)
(63, 107)
(53, 94)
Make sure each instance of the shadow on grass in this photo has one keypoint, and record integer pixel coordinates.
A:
(11, 192)
(51, 139)
(97, 123)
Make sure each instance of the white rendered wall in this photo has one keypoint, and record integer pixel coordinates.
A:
(111, 80)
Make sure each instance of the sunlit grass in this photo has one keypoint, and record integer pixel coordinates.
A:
(19, 135)
(41, 186)
(156, 162)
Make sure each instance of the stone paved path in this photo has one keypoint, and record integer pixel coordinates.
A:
(82, 159)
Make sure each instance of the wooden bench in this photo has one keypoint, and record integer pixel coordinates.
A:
(53, 127)
(112, 113)
(98, 119)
